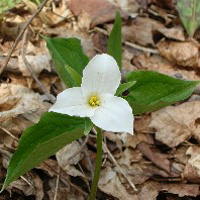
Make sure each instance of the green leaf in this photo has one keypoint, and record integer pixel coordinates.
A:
(7, 4)
(189, 11)
(37, 2)
(115, 41)
(123, 87)
(43, 139)
(69, 59)
(153, 90)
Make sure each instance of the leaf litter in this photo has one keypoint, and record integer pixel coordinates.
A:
(161, 159)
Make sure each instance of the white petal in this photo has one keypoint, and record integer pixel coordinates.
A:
(113, 114)
(72, 102)
(101, 76)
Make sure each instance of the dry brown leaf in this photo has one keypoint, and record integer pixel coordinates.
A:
(178, 168)
(100, 41)
(143, 29)
(47, 80)
(129, 6)
(180, 189)
(38, 63)
(175, 124)
(16, 100)
(117, 139)
(176, 33)
(167, 4)
(63, 194)
(148, 192)
(50, 167)
(184, 54)
(132, 141)
(109, 183)
(61, 13)
(129, 157)
(97, 11)
(141, 124)
(159, 12)
(162, 65)
(67, 160)
(20, 107)
(12, 64)
(11, 27)
(137, 173)
(36, 187)
(127, 56)
(159, 159)
(180, 155)
(151, 189)
(140, 31)
(194, 160)
(191, 174)
(130, 162)
(150, 170)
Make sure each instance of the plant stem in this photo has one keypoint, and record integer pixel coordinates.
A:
(98, 165)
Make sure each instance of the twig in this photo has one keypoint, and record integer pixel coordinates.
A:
(106, 155)
(88, 187)
(9, 133)
(105, 148)
(20, 35)
(57, 183)
(16, 139)
(105, 159)
(68, 184)
(100, 30)
(141, 48)
(87, 157)
(24, 179)
(31, 71)
(120, 169)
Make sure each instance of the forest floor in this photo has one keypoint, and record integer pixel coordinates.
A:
(162, 159)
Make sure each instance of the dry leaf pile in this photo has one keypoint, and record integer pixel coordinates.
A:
(162, 159)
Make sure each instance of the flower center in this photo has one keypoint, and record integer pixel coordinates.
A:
(94, 101)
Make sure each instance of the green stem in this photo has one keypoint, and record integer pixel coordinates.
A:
(98, 165)
(2, 16)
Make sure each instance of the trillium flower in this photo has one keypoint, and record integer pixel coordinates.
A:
(95, 98)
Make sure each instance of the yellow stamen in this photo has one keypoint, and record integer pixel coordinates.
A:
(94, 101)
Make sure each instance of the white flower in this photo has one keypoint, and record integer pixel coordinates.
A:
(95, 98)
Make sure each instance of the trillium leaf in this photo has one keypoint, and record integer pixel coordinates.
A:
(75, 76)
(153, 90)
(189, 11)
(115, 41)
(69, 59)
(123, 87)
(43, 139)
(37, 2)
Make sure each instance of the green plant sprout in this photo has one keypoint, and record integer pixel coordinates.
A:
(189, 11)
(94, 99)
(7, 4)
